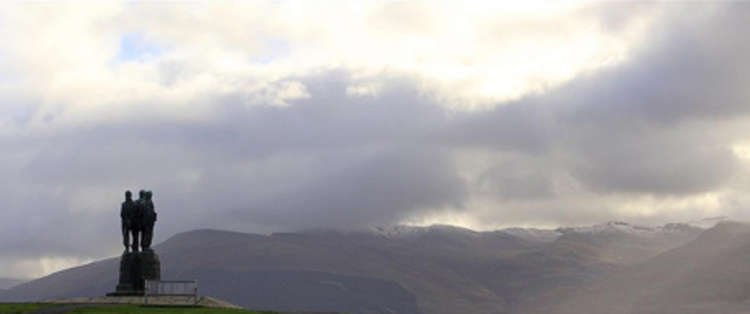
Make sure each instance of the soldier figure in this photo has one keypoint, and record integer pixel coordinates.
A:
(148, 221)
(138, 220)
(127, 213)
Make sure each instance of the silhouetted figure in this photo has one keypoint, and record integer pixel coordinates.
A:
(137, 228)
(149, 219)
(127, 214)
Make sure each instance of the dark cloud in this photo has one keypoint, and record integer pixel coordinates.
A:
(694, 65)
(647, 125)
(654, 163)
(380, 189)
(330, 161)
(517, 179)
(525, 126)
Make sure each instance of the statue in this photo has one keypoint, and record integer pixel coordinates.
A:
(139, 262)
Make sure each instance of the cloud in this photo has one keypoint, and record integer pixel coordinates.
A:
(278, 116)
(380, 190)
(327, 160)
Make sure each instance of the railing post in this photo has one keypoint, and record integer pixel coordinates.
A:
(195, 292)
(145, 293)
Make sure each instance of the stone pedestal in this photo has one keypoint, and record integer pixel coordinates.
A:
(150, 266)
(135, 269)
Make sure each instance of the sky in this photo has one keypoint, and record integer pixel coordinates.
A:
(269, 116)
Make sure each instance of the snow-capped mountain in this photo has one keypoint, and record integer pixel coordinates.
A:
(617, 242)
(550, 235)
(533, 234)
(406, 231)
(614, 227)
(707, 223)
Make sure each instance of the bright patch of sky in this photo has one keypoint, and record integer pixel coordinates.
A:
(275, 49)
(135, 47)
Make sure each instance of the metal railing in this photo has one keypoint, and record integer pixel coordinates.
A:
(184, 288)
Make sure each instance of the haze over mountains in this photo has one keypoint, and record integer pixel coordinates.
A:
(613, 267)
(6, 283)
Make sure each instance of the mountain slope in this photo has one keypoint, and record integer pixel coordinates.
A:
(707, 275)
(351, 266)
(620, 242)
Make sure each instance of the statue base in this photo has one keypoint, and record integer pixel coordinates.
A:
(135, 269)
(127, 293)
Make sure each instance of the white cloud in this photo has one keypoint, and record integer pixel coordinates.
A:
(467, 56)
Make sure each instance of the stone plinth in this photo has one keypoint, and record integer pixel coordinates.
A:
(150, 266)
(135, 269)
(129, 272)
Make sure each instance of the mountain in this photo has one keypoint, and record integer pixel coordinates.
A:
(707, 275)
(528, 234)
(620, 242)
(533, 234)
(707, 223)
(402, 269)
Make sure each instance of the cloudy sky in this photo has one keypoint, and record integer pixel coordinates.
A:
(271, 116)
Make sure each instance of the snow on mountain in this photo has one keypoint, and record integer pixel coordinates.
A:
(533, 234)
(550, 235)
(613, 227)
(707, 223)
(406, 231)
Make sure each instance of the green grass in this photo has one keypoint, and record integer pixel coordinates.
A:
(22, 308)
(18, 308)
(128, 309)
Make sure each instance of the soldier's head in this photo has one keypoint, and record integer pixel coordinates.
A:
(149, 195)
(141, 194)
(128, 195)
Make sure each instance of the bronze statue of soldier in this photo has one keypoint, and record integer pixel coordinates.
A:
(137, 228)
(128, 216)
(148, 221)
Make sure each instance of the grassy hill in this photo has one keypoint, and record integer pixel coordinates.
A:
(128, 309)
(23, 308)
(19, 308)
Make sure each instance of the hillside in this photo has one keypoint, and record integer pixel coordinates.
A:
(438, 269)
(707, 275)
